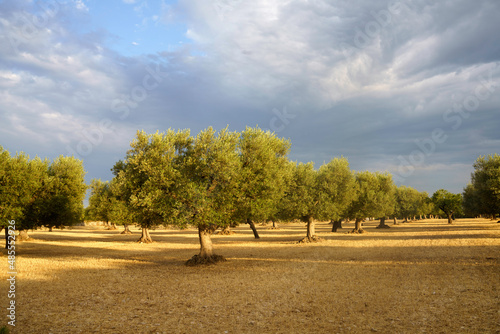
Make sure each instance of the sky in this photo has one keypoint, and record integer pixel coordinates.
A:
(405, 87)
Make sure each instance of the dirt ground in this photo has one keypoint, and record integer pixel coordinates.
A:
(420, 277)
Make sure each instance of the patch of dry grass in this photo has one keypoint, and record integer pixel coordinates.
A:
(425, 277)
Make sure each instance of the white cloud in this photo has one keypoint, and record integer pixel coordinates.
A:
(80, 5)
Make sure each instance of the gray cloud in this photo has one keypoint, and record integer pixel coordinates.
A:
(367, 80)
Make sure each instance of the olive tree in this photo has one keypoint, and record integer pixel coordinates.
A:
(120, 212)
(100, 201)
(58, 202)
(374, 197)
(407, 202)
(20, 182)
(149, 179)
(107, 204)
(211, 171)
(485, 189)
(471, 202)
(448, 203)
(263, 175)
(336, 190)
(302, 198)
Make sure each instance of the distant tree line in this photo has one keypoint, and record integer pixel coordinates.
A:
(217, 180)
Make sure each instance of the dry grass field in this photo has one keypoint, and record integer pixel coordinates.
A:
(421, 277)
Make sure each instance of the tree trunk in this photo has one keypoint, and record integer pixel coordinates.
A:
(395, 220)
(311, 230)
(449, 218)
(206, 255)
(6, 238)
(254, 229)
(50, 228)
(275, 225)
(226, 231)
(357, 226)
(206, 248)
(336, 225)
(126, 229)
(382, 223)
(145, 237)
(23, 236)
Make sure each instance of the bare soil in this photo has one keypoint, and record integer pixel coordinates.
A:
(420, 277)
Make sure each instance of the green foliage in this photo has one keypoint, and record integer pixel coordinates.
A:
(149, 180)
(408, 202)
(106, 203)
(425, 205)
(336, 186)
(375, 196)
(470, 201)
(100, 201)
(20, 180)
(211, 170)
(302, 196)
(482, 196)
(36, 193)
(120, 212)
(63, 197)
(264, 174)
(447, 202)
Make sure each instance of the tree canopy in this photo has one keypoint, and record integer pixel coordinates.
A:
(448, 203)
(482, 195)
(374, 197)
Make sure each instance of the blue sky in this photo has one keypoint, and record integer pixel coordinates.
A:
(408, 87)
(137, 27)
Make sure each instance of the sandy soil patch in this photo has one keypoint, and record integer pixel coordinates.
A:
(422, 277)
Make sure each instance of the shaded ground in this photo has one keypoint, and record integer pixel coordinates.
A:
(425, 277)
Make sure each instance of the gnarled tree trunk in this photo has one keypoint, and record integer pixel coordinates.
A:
(254, 229)
(336, 225)
(311, 231)
(126, 229)
(395, 220)
(382, 223)
(450, 221)
(145, 237)
(311, 228)
(357, 226)
(206, 255)
(206, 247)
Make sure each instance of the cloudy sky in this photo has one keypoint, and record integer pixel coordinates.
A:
(408, 87)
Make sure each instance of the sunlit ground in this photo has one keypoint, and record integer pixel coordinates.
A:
(421, 277)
